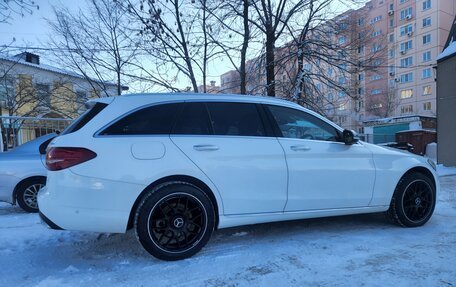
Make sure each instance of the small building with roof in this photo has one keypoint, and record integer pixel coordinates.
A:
(446, 101)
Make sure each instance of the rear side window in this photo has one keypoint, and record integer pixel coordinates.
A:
(152, 120)
(194, 120)
(237, 119)
(86, 117)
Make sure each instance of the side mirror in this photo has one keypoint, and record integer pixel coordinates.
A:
(349, 137)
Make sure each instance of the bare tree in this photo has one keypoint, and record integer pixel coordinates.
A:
(8, 8)
(232, 18)
(272, 18)
(175, 34)
(95, 42)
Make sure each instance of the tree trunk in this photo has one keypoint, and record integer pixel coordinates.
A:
(245, 44)
(270, 77)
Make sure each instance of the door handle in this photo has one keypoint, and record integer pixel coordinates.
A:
(299, 148)
(205, 147)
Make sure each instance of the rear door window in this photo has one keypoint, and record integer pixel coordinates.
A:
(153, 120)
(236, 119)
(193, 120)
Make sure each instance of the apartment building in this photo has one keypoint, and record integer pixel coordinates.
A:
(398, 41)
(417, 32)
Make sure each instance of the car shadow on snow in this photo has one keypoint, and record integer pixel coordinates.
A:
(225, 241)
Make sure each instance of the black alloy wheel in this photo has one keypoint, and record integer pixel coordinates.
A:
(174, 221)
(413, 201)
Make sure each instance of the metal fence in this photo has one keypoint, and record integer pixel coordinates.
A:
(19, 130)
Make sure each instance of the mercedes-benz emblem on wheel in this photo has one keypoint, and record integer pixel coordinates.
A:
(178, 222)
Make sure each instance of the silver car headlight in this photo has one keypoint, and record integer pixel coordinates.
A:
(432, 163)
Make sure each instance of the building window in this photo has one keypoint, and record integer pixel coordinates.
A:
(82, 96)
(43, 94)
(376, 92)
(427, 73)
(391, 22)
(426, 22)
(391, 53)
(406, 46)
(342, 94)
(342, 80)
(376, 47)
(361, 77)
(406, 62)
(360, 21)
(343, 107)
(426, 56)
(406, 29)
(391, 38)
(427, 106)
(391, 7)
(408, 109)
(407, 78)
(406, 13)
(342, 39)
(376, 19)
(402, 1)
(360, 91)
(427, 90)
(376, 33)
(427, 4)
(376, 77)
(426, 39)
(406, 94)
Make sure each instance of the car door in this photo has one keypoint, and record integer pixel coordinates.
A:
(229, 142)
(323, 173)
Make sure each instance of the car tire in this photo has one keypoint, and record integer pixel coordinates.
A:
(27, 192)
(413, 200)
(174, 220)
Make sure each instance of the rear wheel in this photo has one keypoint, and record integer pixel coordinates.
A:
(27, 192)
(413, 201)
(174, 221)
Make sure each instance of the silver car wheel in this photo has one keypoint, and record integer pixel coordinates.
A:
(30, 195)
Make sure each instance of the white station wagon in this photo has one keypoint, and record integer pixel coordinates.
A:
(178, 166)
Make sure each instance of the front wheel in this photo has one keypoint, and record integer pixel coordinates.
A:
(174, 221)
(27, 192)
(413, 201)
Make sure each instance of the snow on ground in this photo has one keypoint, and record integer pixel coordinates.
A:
(445, 171)
(341, 251)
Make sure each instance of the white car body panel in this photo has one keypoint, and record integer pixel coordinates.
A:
(240, 167)
(327, 175)
(99, 195)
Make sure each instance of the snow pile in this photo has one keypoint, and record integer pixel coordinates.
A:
(445, 171)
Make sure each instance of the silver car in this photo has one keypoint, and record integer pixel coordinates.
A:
(23, 174)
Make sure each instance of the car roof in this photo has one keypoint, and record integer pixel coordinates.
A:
(162, 97)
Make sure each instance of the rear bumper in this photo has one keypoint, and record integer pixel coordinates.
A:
(73, 202)
(49, 222)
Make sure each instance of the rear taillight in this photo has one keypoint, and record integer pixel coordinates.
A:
(58, 158)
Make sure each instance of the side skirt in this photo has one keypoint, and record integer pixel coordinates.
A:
(246, 219)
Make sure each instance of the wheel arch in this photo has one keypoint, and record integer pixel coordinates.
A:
(422, 170)
(16, 188)
(190, 179)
